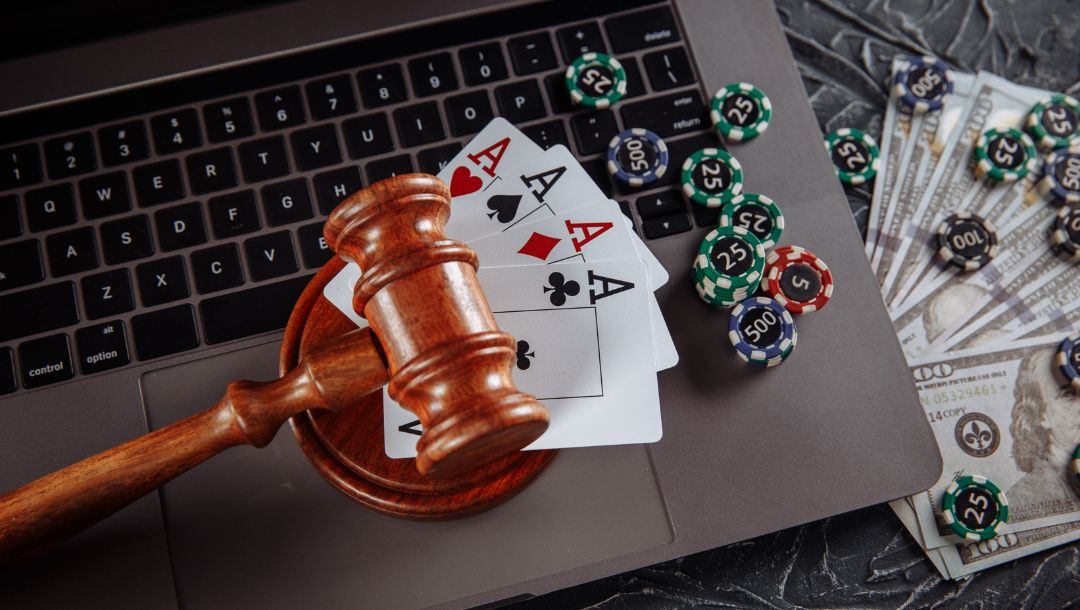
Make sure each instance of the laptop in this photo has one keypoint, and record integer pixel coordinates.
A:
(109, 117)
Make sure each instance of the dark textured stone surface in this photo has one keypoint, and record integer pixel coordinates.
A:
(866, 558)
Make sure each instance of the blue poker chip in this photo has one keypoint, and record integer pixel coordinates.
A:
(762, 331)
(637, 157)
(1061, 175)
(1068, 362)
(923, 84)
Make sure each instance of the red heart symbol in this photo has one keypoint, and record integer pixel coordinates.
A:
(463, 182)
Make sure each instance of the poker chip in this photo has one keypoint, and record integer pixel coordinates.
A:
(756, 213)
(967, 241)
(1065, 238)
(923, 84)
(1054, 122)
(1076, 463)
(596, 80)
(762, 331)
(728, 267)
(711, 177)
(855, 155)
(740, 111)
(974, 508)
(1061, 175)
(1004, 155)
(798, 280)
(637, 157)
(1067, 361)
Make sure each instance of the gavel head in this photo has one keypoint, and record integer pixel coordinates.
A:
(449, 363)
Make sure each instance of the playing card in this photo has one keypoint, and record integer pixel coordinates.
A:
(581, 330)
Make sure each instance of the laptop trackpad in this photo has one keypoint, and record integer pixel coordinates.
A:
(260, 527)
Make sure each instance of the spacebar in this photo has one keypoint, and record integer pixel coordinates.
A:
(250, 312)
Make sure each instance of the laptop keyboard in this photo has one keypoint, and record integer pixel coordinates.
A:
(155, 234)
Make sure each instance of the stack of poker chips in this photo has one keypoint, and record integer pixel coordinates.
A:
(762, 332)
(728, 267)
(1065, 238)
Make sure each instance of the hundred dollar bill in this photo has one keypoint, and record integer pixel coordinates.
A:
(929, 133)
(954, 297)
(895, 133)
(954, 187)
(1000, 412)
(964, 559)
(1067, 322)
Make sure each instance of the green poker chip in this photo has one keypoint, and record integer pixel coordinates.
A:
(854, 154)
(740, 111)
(1054, 122)
(596, 80)
(756, 213)
(1076, 463)
(974, 508)
(728, 266)
(1004, 155)
(711, 177)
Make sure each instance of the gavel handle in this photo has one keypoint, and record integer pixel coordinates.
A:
(68, 501)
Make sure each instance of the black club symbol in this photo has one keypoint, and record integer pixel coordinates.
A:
(560, 288)
(523, 355)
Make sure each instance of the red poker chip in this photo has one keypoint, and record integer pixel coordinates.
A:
(797, 279)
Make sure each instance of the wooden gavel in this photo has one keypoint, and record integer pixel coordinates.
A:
(435, 340)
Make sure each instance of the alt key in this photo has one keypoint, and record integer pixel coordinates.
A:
(101, 347)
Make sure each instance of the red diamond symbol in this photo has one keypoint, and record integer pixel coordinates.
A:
(539, 246)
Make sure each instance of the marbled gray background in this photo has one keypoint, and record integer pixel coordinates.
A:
(866, 558)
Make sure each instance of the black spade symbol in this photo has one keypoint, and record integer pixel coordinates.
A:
(503, 207)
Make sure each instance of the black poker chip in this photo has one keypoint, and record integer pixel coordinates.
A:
(967, 241)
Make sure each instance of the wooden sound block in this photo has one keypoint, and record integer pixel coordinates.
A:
(346, 446)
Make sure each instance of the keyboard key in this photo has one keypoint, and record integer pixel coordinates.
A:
(162, 281)
(102, 347)
(164, 332)
(37, 310)
(433, 160)
(157, 183)
(228, 120)
(270, 256)
(432, 74)
(580, 39)
(532, 53)
(45, 360)
(520, 102)
(250, 312)
(593, 131)
(418, 125)
(547, 134)
(315, 147)
(482, 64)
(263, 159)
(107, 294)
(71, 251)
(10, 221)
(332, 187)
(123, 143)
(706, 217)
(468, 113)
(662, 226)
(389, 167)
(211, 170)
(126, 239)
(176, 131)
(7, 371)
(624, 207)
(217, 268)
(20, 264)
(330, 97)
(70, 155)
(597, 170)
(643, 29)
(635, 85)
(50, 207)
(381, 86)
(279, 108)
(668, 69)
(558, 95)
(668, 115)
(286, 202)
(104, 195)
(19, 166)
(234, 214)
(367, 136)
(180, 226)
(678, 151)
(660, 204)
(313, 247)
